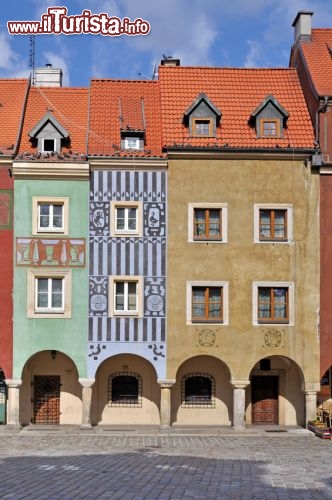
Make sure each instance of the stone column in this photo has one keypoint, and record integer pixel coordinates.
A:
(239, 403)
(86, 384)
(13, 402)
(165, 402)
(310, 405)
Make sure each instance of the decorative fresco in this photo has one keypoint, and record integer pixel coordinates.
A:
(154, 297)
(50, 252)
(98, 296)
(154, 219)
(6, 204)
(99, 219)
(273, 338)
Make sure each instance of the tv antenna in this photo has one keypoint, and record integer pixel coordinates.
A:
(154, 73)
(32, 60)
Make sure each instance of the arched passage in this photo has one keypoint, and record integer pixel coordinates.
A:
(50, 391)
(276, 393)
(125, 392)
(202, 394)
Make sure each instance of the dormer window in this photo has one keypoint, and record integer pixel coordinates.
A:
(132, 143)
(269, 118)
(202, 127)
(49, 145)
(270, 128)
(202, 117)
(49, 134)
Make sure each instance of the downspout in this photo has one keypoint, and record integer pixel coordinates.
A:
(322, 109)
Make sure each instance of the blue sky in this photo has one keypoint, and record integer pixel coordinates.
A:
(242, 33)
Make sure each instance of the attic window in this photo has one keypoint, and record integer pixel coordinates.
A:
(132, 143)
(202, 127)
(49, 145)
(270, 128)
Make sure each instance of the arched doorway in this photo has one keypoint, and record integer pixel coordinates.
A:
(126, 392)
(202, 394)
(3, 397)
(275, 395)
(50, 392)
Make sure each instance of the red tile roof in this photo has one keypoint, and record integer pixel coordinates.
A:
(12, 97)
(236, 93)
(70, 108)
(117, 105)
(318, 56)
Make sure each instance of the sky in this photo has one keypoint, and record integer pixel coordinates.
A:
(231, 33)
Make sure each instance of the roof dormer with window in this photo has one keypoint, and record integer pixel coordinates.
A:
(269, 118)
(49, 134)
(202, 117)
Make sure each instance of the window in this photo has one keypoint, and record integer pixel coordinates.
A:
(49, 145)
(125, 389)
(273, 303)
(207, 222)
(126, 293)
(49, 293)
(273, 223)
(270, 128)
(207, 302)
(49, 215)
(202, 127)
(126, 218)
(132, 143)
(198, 391)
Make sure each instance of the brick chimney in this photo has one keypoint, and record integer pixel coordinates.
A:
(302, 26)
(48, 76)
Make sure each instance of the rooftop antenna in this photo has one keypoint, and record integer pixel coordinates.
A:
(32, 60)
(154, 73)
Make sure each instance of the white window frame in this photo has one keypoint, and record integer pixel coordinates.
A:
(139, 296)
(224, 229)
(222, 284)
(273, 284)
(47, 200)
(128, 139)
(32, 279)
(269, 206)
(139, 218)
(49, 139)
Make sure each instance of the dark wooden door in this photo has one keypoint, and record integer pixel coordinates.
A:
(264, 400)
(46, 399)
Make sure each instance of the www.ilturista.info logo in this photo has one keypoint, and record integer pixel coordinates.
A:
(57, 22)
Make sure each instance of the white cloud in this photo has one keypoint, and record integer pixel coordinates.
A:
(253, 57)
(7, 56)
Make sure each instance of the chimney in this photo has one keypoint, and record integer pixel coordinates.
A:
(302, 26)
(169, 61)
(48, 76)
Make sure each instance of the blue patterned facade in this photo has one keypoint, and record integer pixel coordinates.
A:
(112, 256)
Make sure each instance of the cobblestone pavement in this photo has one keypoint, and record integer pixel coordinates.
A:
(120, 465)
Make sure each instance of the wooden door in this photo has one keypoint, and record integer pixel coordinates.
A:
(264, 400)
(46, 399)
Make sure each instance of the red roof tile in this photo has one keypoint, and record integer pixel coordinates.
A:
(117, 105)
(12, 97)
(69, 106)
(236, 93)
(318, 56)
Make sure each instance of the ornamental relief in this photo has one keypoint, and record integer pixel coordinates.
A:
(274, 338)
(207, 338)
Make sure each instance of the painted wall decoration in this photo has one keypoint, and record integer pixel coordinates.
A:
(50, 252)
(143, 256)
(6, 204)
(273, 337)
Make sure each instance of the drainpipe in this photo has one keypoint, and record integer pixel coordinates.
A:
(322, 109)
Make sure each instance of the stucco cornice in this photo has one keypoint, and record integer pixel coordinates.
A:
(52, 170)
(109, 163)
